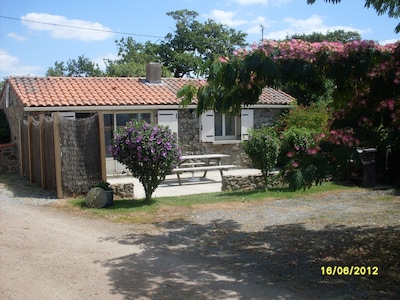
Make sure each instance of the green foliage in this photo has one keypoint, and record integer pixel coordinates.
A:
(263, 147)
(104, 185)
(192, 43)
(331, 36)
(5, 135)
(299, 127)
(150, 152)
(314, 117)
(81, 67)
(304, 160)
(133, 58)
(307, 166)
(295, 138)
(182, 52)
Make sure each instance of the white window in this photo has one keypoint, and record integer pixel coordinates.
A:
(116, 120)
(216, 126)
(226, 126)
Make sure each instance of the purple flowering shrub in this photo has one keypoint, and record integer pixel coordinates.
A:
(150, 152)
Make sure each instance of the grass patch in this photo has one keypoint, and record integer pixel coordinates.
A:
(172, 208)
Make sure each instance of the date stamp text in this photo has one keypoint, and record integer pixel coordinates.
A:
(349, 271)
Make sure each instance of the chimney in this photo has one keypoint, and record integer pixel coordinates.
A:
(153, 72)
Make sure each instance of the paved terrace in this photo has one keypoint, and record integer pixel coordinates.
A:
(170, 186)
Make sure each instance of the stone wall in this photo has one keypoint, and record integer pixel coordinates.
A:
(123, 190)
(189, 137)
(14, 111)
(8, 158)
(243, 183)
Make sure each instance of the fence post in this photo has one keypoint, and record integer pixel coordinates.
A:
(42, 149)
(57, 154)
(30, 150)
(21, 148)
(102, 145)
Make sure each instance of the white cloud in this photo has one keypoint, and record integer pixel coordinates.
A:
(100, 60)
(312, 24)
(10, 65)
(225, 17)
(16, 37)
(255, 25)
(60, 27)
(392, 41)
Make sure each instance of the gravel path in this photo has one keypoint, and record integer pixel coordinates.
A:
(269, 250)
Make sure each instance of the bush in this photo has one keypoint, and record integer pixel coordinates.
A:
(314, 117)
(150, 152)
(307, 165)
(263, 147)
(295, 138)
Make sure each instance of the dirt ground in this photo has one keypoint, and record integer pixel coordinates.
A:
(277, 249)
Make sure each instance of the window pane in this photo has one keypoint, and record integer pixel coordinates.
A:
(145, 117)
(108, 131)
(229, 124)
(218, 124)
(122, 119)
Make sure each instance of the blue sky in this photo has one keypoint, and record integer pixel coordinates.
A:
(30, 47)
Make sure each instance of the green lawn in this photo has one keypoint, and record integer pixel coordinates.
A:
(139, 211)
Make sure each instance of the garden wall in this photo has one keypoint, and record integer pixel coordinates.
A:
(8, 158)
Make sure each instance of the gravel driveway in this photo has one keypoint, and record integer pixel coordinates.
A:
(276, 249)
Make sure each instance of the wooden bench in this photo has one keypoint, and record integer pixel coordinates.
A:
(201, 168)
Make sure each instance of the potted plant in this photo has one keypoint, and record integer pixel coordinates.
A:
(109, 191)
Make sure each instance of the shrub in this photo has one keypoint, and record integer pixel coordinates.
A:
(263, 147)
(314, 117)
(150, 152)
(295, 138)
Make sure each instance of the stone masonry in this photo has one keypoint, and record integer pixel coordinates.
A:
(8, 158)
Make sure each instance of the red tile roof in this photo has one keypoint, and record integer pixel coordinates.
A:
(111, 91)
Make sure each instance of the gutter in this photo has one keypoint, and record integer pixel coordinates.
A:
(115, 108)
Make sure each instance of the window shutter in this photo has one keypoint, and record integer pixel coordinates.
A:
(67, 115)
(169, 118)
(247, 117)
(207, 126)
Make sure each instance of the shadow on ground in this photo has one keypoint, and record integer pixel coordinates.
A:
(21, 187)
(219, 261)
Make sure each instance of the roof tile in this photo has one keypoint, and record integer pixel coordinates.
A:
(113, 91)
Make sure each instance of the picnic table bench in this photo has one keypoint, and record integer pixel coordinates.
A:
(202, 163)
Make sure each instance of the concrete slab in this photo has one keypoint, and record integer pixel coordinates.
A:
(196, 184)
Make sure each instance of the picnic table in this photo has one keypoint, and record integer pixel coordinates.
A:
(201, 162)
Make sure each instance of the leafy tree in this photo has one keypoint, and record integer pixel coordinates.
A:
(331, 36)
(150, 152)
(296, 90)
(133, 58)
(391, 7)
(366, 95)
(192, 43)
(80, 67)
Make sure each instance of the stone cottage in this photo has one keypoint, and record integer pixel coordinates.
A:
(152, 99)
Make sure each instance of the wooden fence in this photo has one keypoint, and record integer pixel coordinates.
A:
(63, 155)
